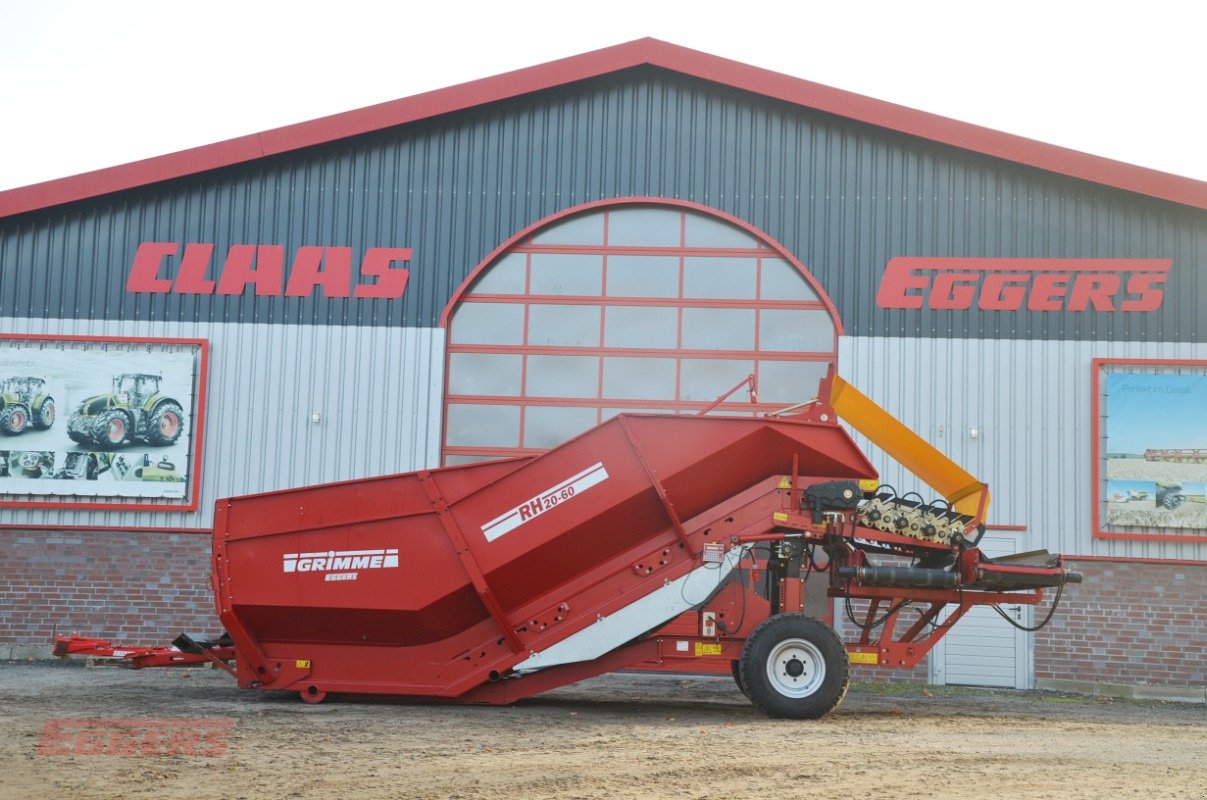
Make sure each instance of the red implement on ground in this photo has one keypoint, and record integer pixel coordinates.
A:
(1195, 455)
(490, 582)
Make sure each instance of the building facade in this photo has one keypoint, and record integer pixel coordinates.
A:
(490, 269)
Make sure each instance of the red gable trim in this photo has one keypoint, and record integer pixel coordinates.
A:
(565, 71)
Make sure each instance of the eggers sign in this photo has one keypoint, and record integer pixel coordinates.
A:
(1033, 284)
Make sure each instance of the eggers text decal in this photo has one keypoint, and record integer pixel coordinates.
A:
(262, 266)
(1033, 284)
(545, 501)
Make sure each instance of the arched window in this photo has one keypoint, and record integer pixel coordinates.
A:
(637, 305)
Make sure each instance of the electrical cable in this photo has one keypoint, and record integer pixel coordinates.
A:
(1051, 611)
(877, 623)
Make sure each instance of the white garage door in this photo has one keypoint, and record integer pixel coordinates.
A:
(983, 649)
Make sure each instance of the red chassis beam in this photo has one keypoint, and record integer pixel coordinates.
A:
(879, 643)
(906, 650)
(142, 657)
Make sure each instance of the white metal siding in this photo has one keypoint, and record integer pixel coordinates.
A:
(377, 391)
(1030, 403)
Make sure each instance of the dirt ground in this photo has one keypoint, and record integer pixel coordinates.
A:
(620, 736)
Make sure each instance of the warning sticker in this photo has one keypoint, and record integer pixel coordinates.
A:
(865, 658)
(708, 649)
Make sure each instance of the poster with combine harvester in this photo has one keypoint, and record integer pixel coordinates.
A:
(1152, 434)
(99, 421)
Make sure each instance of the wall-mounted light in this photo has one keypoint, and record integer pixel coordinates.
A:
(316, 417)
(972, 432)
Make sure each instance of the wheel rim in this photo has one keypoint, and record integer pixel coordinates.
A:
(796, 668)
(18, 420)
(169, 423)
(116, 430)
(48, 413)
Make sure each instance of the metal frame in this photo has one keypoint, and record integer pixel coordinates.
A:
(1096, 395)
(196, 425)
(521, 243)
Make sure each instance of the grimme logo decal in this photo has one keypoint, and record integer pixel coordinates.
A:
(546, 500)
(263, 267)
(1034, 284)
(333, 561)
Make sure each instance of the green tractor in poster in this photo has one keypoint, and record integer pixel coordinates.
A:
(134, 411)
(1169, 496)
(24, 402)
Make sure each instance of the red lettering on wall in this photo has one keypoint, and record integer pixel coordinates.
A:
(1096, 290)
(895, 286)
(238, 272)
(1036, 284)
(391, 282)
(307, 273)
(1148, 290)
(144, 272)
(953, 290)
(1003, 291)
(1047, 291)
(194, 265)
(263, 268)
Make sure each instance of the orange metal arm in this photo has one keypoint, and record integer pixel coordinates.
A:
(966, 494)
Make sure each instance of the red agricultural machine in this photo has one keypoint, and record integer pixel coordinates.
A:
(1196, 455)
(650, 539)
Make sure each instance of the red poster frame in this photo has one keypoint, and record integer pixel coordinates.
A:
(193, 499)
(1098, 457)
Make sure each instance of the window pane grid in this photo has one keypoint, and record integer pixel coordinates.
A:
(628, 326)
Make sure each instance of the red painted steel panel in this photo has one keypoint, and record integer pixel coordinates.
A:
(552, 540)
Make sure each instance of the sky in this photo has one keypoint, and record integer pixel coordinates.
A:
(1155, 411)
(87, 84)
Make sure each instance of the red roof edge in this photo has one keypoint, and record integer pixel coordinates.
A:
(933, 127)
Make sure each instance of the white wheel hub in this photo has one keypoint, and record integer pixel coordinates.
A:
(796, 668)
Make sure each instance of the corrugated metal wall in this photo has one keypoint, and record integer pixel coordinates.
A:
(1030, 402)
(377, 392)
(843, 197)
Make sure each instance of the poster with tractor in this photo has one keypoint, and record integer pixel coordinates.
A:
(83, 419)
(1156, 449)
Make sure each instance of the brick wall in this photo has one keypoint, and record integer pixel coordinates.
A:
(1135, 624)
(850, 633)
(1138, 624)
(136, 588)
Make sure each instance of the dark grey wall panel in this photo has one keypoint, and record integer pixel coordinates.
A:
(844, 197)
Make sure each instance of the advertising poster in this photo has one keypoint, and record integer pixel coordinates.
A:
(1155, 449)
(85, 419)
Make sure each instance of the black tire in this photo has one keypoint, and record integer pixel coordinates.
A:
(44, 414)
(165, 424)
(1172, 501)
(111, 430)
(13, 420)
(736, 668)
(76, 436)
(795, 667)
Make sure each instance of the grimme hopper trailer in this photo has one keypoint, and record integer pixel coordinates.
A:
(494, 581)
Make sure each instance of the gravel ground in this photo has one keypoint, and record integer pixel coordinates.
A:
(619, 736)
